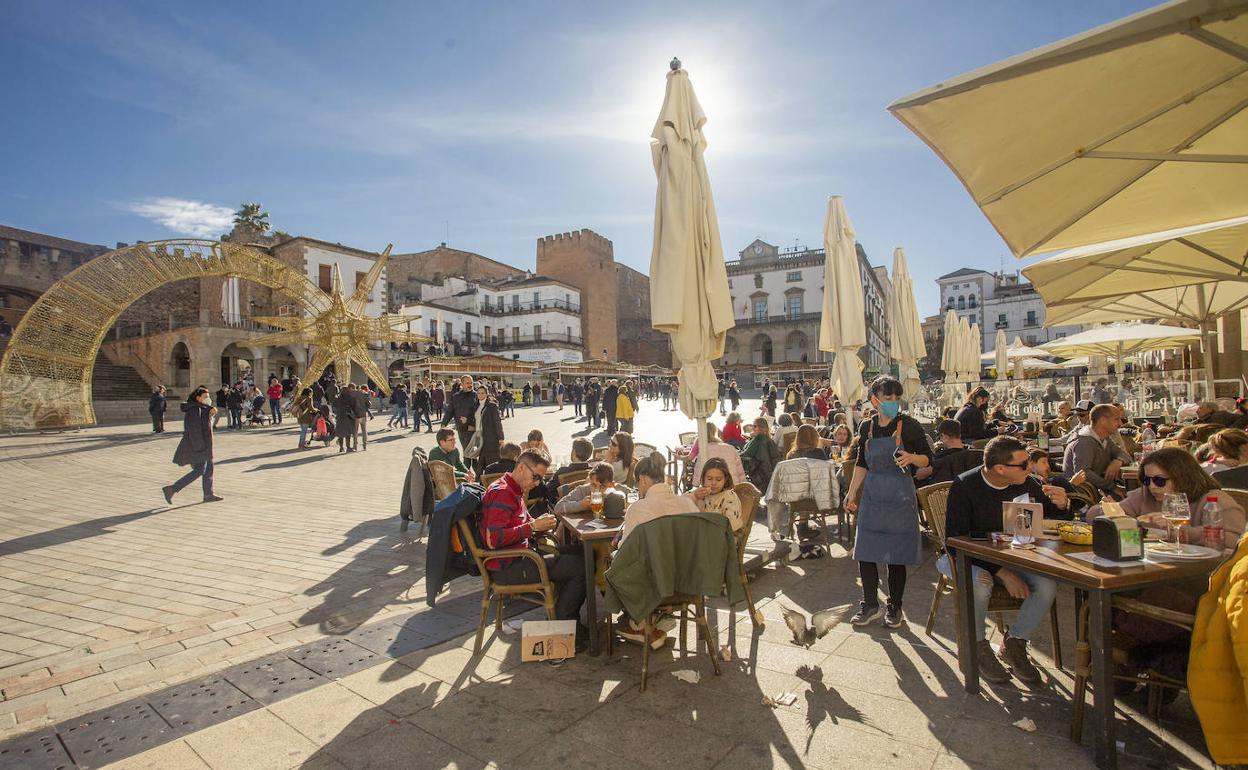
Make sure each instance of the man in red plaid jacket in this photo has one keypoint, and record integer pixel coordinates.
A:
(506, 523)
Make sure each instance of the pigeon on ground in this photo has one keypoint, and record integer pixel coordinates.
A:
(805, 635)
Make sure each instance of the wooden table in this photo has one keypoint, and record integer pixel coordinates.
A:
(1051, 558)
(574, 524)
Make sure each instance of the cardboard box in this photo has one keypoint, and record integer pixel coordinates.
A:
(547, 640)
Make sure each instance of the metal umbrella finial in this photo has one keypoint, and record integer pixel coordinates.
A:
(675, 65)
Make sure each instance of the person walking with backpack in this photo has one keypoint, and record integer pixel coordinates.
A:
(195, 448)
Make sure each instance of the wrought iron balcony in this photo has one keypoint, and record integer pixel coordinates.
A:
(531, 307)
(511, 342)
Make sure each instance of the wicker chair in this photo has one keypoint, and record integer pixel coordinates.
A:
(687, 437)
(933, 501)
(600, 454)
(572, 478)
(443, 479)
(489, 479)
(1240, 496)
(1155, 681)
(643, 450)
(749, 496)
(492, 592)
(808, 511)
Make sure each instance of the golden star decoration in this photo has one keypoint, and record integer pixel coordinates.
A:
(340, 334)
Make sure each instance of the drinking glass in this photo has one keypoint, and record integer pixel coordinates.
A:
(1177, 512)
(595, 504)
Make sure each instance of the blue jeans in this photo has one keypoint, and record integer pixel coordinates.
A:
(275, 408)
(400, 415)
(1034, 608)
(197, 470)
(236, 417)
(419, 413)
(303, 432)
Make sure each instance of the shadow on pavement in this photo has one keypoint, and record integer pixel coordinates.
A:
(69, 534)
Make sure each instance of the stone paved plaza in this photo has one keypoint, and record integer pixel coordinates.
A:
(109, 599)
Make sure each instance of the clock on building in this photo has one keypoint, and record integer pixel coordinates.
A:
(758, 249)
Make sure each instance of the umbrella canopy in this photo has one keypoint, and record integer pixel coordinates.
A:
(1079, 142)
(1122, 339)
(689, 297)
(903, 318)
(1002, 356)
(1015, 351)
(1036, 365)
(843, 326)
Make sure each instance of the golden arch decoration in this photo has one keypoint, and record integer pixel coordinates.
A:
(45, 375)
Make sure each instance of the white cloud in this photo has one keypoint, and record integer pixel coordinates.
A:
(185, 217)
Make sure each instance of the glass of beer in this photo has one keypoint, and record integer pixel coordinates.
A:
(595, 504)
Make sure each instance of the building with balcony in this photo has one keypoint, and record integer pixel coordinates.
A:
(523, 318)
(777, 301)
(998, 301)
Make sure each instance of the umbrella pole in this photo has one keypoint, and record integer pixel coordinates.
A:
(1205, 341)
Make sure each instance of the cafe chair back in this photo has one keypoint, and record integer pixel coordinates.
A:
(541, 593)
(687, 437)
(749, 496)
(443, 479)
(489, 479)
(572, 478)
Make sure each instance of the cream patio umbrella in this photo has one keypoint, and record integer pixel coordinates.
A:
(1192, 275)
(689, 297)
(950, 355)
(970, 353)
(1002, 356)
(907, 341)
(843, 326)
(1120, 340)
(1143, 120)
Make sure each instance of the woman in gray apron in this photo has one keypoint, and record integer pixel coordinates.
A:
(891, 447)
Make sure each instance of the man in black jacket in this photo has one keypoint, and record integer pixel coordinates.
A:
(234, 400)
(593, 395)
(952, 460)
(608, 405)
(462, 410)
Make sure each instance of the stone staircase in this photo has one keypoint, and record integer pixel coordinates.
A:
(118, 393)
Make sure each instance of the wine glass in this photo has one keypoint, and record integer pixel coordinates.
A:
(1177, 512)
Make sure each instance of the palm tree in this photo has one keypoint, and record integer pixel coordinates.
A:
(250, 217)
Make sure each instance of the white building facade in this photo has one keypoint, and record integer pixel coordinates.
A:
(998, 301)
(533, 318)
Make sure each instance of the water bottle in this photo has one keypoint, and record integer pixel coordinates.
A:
(1211, 520)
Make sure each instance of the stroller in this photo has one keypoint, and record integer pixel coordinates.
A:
(255, 413)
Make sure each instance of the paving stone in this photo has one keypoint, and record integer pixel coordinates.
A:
(255, 741)
(200, 704)
(35, 751)
(391, 640)
(272, 678)
(177, 755)
(114, 733)
(333, 657)
(331, 713)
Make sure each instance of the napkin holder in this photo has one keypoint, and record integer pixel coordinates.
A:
(1116, 536)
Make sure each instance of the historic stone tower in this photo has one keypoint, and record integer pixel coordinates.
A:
(587, 261)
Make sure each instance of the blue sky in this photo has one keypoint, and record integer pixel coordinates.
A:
(502, 122)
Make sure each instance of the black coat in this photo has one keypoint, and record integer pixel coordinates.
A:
(974, 428)
(344, 416)
(359, 403)
(420, 399)
(491, 429)
(234, 399)
(463, 404)
(196, 444)
(609, 399)
(156, 404)
(593, 394)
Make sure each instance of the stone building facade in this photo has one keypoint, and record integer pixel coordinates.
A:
(586, 260)
(777, 301)
(639, 342)
(30, 262)
(998, 301)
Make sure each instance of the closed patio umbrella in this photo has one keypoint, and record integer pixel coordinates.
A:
(689, 297)
(949, 359)
(974, 345)
(1143, 120)
(843, 326)
(907, 340)
(1002, 354)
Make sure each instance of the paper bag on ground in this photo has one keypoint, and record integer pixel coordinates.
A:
(547, 639)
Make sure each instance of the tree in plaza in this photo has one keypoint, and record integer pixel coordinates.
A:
(250, 217)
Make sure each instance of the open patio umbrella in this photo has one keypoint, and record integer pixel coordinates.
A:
(903, 316)
(1143, 120)
(1015, 351)
(1193, 275)
(689, 297)
(843, 326)
(1120, 340)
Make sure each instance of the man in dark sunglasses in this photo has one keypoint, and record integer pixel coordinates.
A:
(975, 509)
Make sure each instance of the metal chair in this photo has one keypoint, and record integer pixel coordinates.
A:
(807, 510)
(749, 496)
(934, 500)
(492, 592)
(679, 604)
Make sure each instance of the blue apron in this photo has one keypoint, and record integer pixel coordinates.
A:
(888, 513)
